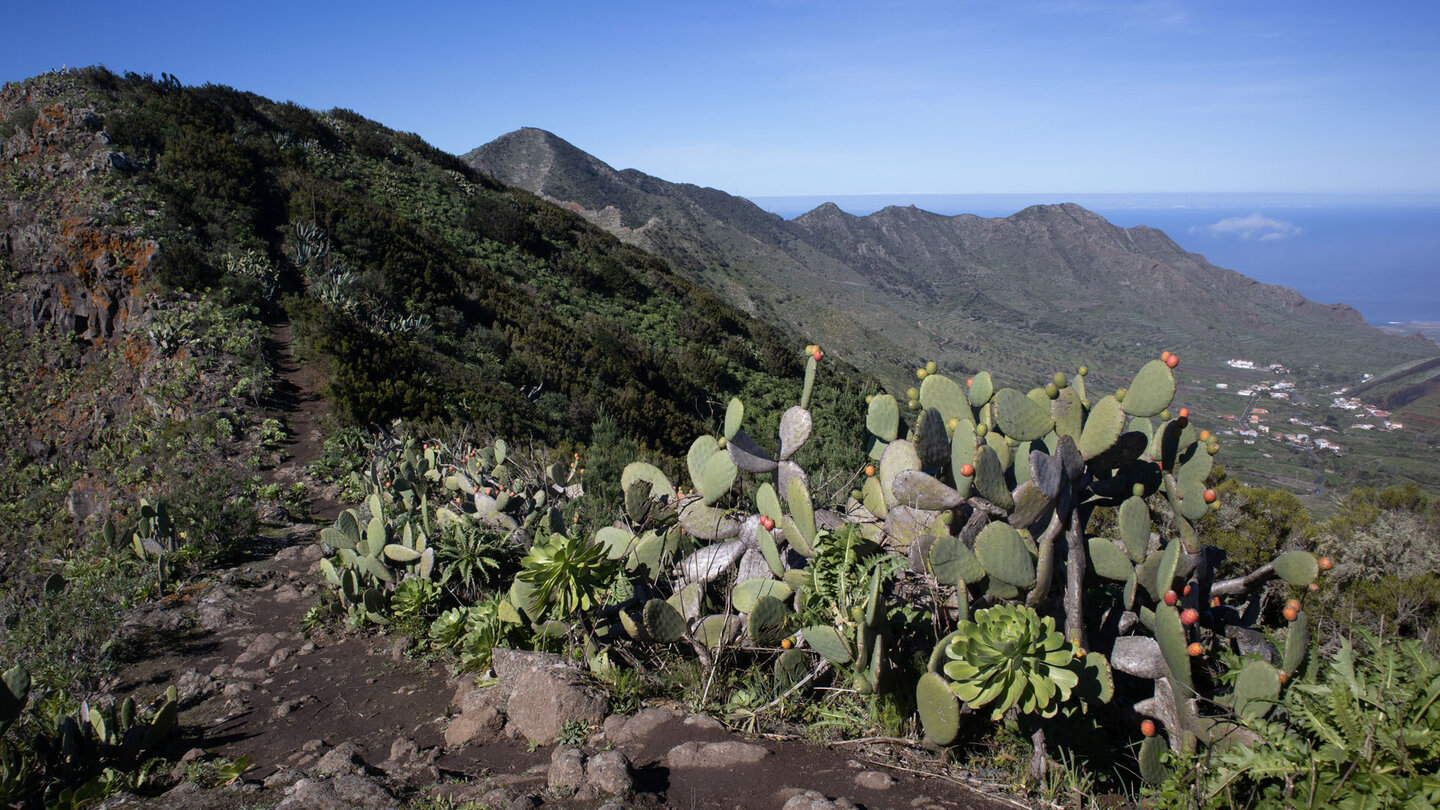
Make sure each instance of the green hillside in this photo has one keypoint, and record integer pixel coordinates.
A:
(156, 235)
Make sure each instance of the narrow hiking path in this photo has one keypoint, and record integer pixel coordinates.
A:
(296, 400)
(334, 718)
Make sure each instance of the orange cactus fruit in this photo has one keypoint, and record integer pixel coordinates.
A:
(869, 469)
(967, 470)
(1195, 649)
(1290, 614)
(786, 644)
(1147, 727)
(1325, 563)
(1211, 495)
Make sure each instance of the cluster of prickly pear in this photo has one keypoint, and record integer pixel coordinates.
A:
(73, 749)
(369, 561)
(745, 576)
(153, 539)
(992, 489)
(500, 497)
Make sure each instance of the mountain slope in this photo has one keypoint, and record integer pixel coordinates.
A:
(903, 284)
(153, 233)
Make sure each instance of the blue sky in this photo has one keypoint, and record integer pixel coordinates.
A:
(835, 97)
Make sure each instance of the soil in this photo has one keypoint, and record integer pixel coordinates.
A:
(252, 684)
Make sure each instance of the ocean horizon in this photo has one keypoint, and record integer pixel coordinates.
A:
(1377, 253)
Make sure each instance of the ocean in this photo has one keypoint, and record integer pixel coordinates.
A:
(1379, 254)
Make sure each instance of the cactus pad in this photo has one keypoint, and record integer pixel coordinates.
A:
(1298, 568)
(708, 522)
(932, 443)
(1020, 417)
(990, 479)
(1170, 634)
(771, 551)
(1257, 687)
(952, 562)
(660, 486)
(749, 592)
(1004, 555)
(1102, 427)
(748, 455)
(795, 427)
(1152, 767)
(981, 389)
(663, 622)
(769, 618)
(734, 415)
(827, 641)
(962, 451)
(1297, 644)
(335, 538)
(716, 474)
(790, 668)
(709, 562)
(401, 554)
(1151, 391)
(1109, 561)
(1135, 527)
(616, 541)
(943, 394)
(922, 491)
(712, 631)
(899, 455)
(883, 417)
(1068, 412)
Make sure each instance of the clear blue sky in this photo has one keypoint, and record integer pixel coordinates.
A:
(830, 96)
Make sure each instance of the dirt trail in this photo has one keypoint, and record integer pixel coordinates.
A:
(296, 400)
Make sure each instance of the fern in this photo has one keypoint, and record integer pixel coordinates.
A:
(1367, 735)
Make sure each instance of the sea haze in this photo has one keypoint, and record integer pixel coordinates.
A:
(1379, 254)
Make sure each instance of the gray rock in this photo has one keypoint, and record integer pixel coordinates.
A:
(567, 769)
(342, 759)
(259, 649)
(728, 754)
(620, 729)
(192, 686)
(545, 699)
(815, 800)
(344, 792)
(482, 724)
(407, 763)
(874, 780)
(608, 774)
(283, 777)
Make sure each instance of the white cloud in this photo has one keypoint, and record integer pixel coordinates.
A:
(1255, 228)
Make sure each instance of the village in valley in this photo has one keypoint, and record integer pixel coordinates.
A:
(1255, 420)
(1295, 429)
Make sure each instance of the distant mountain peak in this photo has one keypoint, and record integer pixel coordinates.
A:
(964, 289)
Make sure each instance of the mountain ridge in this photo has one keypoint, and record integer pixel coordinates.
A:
(1049, 262)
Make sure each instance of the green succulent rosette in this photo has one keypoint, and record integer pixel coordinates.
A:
(1008, 655)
